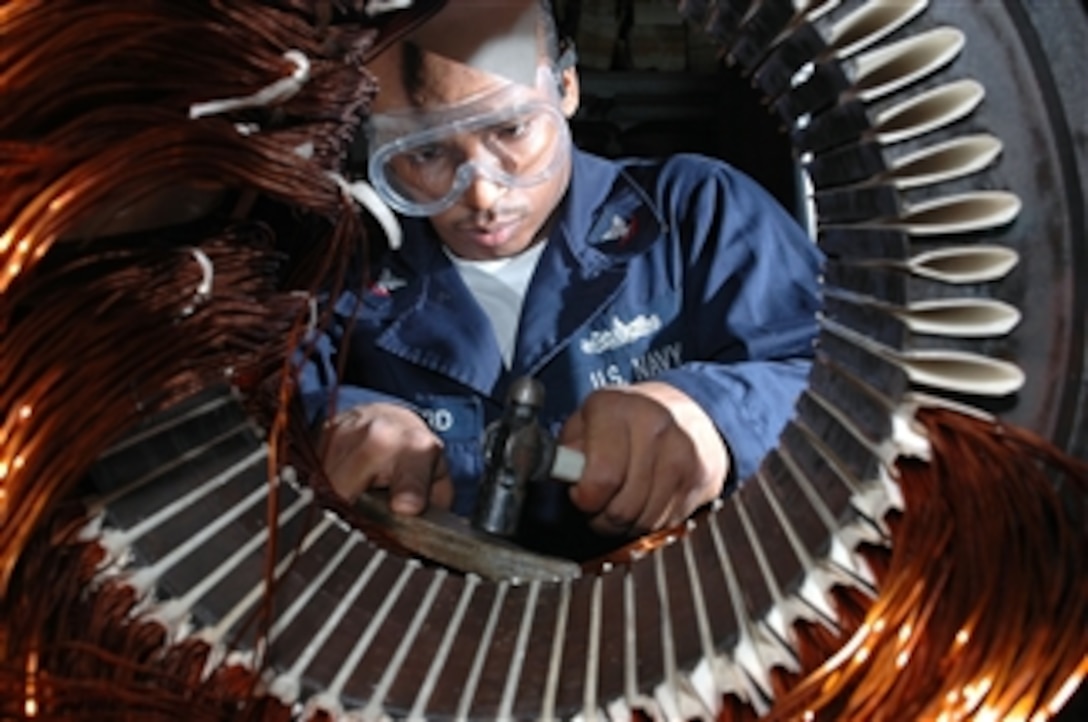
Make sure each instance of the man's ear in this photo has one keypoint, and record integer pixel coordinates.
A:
(569, 91)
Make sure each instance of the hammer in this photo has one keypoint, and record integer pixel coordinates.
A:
(518, 451)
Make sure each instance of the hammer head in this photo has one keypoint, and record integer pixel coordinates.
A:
(517, 451)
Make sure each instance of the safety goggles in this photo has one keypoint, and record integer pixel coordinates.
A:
(422, 162)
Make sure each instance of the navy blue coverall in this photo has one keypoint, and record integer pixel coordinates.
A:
(683, 270)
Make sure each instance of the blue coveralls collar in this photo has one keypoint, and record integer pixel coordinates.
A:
(600, 192)
(597, 188)
(605, 219)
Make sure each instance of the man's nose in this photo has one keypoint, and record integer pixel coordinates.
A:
(482, 192)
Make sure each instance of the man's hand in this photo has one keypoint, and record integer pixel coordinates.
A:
(653, 456)
(386, 446)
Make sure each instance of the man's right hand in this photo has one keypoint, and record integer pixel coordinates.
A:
(386, 446)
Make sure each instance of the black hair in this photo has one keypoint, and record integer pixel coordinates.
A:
(411, 68)
(559, 50)
(549, 28)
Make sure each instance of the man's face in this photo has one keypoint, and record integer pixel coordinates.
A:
(490, 219)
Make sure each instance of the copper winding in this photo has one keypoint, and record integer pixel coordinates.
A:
(69, 360)
(95, 332)
(983, 595)
(81, 149)
(982, 610)
(74, 201)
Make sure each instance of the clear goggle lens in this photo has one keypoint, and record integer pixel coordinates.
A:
(421, 163)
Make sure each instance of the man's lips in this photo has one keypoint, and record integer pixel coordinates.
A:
(490, 230)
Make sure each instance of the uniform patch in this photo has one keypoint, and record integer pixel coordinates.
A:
(454, 418)
(643, 367)
(620, 230)
(387, 283)
(621, 333)
(656, 361)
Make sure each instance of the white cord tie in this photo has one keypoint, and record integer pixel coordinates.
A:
(365, 195)
(377, 7)
(312, 309)
(204, 290)
(277, 92)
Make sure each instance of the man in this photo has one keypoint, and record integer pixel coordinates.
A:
(667, 307)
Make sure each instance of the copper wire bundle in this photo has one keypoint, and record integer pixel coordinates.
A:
(101, 324)
(982, 613)
(113, 304)
(90, 656)
(73, 340)
(98, 119)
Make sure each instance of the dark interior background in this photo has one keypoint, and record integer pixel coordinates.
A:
(652, 86)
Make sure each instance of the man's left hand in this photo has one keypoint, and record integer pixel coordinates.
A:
(653, 456)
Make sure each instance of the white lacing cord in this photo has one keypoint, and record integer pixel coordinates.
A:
(204, 290)
(311, 307)
(365, 195)
(277, 92)
(377, 7)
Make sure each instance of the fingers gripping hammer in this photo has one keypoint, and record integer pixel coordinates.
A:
(518, 451)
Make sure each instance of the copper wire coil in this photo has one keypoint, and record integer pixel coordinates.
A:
(98, 658)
